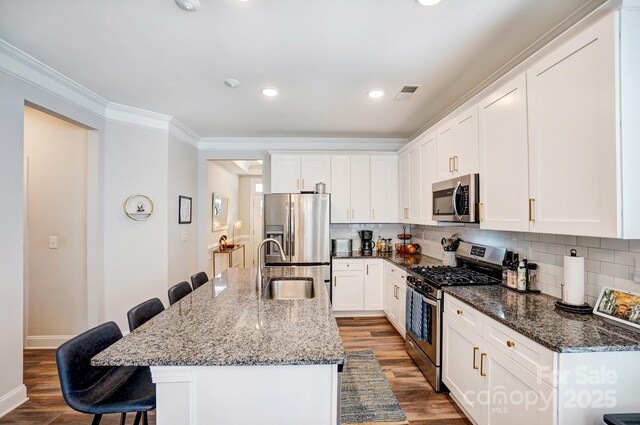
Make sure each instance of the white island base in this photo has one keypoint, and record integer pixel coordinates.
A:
(251, 395)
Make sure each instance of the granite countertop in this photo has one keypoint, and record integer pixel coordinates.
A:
(402, 260)
(225, 323)
(535, 316)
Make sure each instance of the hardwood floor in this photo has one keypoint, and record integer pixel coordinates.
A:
(420, 402)
(422, 405)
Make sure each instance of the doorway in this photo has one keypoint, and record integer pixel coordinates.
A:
(56, 186)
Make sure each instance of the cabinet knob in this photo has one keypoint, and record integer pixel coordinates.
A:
(511, 344)
(459, 312)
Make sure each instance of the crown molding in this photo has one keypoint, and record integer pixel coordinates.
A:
(130, 115)
(300, 144)
(183, 133)
(30, 70)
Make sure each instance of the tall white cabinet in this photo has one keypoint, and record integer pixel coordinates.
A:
(504, 158)
(295, 173)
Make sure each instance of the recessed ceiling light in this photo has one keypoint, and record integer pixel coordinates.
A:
(231, 82)
(376, 93)
(188, 5)
(428, 2)
(270, 91)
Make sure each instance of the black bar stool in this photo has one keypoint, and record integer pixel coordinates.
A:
(199, 279)
(141, 313)
(103, 390)
(622, 419)
(178, 292)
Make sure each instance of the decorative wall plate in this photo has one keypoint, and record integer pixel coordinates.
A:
(139, 207)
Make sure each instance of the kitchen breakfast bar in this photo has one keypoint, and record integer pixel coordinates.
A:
(226, 354)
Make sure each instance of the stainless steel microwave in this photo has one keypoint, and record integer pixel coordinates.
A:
(456, 200)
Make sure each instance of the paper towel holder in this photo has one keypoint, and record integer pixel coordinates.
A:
(572, 308)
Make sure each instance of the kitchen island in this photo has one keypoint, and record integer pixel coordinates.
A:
(224, 354)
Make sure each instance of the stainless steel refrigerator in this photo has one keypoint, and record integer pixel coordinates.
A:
(300, 222)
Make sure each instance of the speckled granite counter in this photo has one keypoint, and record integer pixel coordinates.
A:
(225, 323)
(534, 316)
(402, 260)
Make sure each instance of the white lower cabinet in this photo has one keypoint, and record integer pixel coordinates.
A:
(357, 285)
(395, 289)
(488, 383)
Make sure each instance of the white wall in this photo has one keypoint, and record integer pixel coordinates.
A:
(183, 180)
(56, 284)
(135, 252)
(14, 94)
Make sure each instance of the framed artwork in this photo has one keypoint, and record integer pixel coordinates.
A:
(139, 207)
(619, 306)
(184, 210)
(219, 212)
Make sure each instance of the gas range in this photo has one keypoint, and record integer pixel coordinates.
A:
(478, 265)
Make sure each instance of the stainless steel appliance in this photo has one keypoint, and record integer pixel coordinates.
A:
(300, 222)
(343, 246)
(477, 265)
(457, 199)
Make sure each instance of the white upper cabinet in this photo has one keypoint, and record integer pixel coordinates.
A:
(364, 188)
(296, 173)
(285, 173)
(428, 159)
(340, 194)
(457, 145)
(414, 184)
(405, 187)
(573, 141)
(360, 183)
(315, 169)
(384, 191)
(504, 164)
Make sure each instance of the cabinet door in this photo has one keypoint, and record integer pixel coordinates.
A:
(360, 189)
(514, 392)
(348, 291)
(444, 151)
(465, 156)
(340, 195)
(461, 366)
(415, 185)
(384, 188)
(428, 176)
(387, 274)
(572, 136)
(504, 164)
(405, 187)
(285, 173)
(373, 285)
(315, 169)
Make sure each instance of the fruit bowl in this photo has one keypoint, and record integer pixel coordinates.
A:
(404, 236)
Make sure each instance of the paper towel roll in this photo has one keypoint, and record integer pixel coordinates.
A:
(573, 280)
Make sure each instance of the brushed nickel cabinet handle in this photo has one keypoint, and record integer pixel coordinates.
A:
(475, 351)
(482, 356)
(335, 280)
(455, 163)
(367, 269)
(450, 166)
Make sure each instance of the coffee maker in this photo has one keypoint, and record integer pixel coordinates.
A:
(366, 242)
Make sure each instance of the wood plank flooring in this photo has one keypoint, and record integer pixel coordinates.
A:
(422, 405)
(420, 402)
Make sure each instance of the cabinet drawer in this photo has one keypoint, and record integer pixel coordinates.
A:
(348, 265)
(464, 314)
(529, 354)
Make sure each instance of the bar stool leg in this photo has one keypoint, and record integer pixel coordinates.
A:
(137, 419)
(123, 418)
(96, 420)
(145, 420)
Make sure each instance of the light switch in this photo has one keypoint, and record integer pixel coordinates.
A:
(184, 236)
(53, 242)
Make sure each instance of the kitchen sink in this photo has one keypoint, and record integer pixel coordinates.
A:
(291, 288)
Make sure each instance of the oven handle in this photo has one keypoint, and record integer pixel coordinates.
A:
(453, 200)
(430, 302)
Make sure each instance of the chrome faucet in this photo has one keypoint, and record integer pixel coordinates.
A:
(259, 275)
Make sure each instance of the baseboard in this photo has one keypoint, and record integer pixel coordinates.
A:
(13, 399)
(46, 341)
(374, 313)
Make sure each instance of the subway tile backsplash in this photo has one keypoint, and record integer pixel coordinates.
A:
(608, 262)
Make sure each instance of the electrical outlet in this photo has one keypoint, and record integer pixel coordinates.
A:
(53, 242)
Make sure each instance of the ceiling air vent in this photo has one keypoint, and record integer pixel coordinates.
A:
(407, 90)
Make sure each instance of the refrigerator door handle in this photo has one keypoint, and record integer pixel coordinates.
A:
(293, 231)
(285, 237)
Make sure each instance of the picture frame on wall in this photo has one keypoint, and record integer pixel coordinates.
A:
(619, 306)
(184, 209)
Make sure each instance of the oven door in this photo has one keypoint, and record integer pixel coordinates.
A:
(456, 199)
(423, 324)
